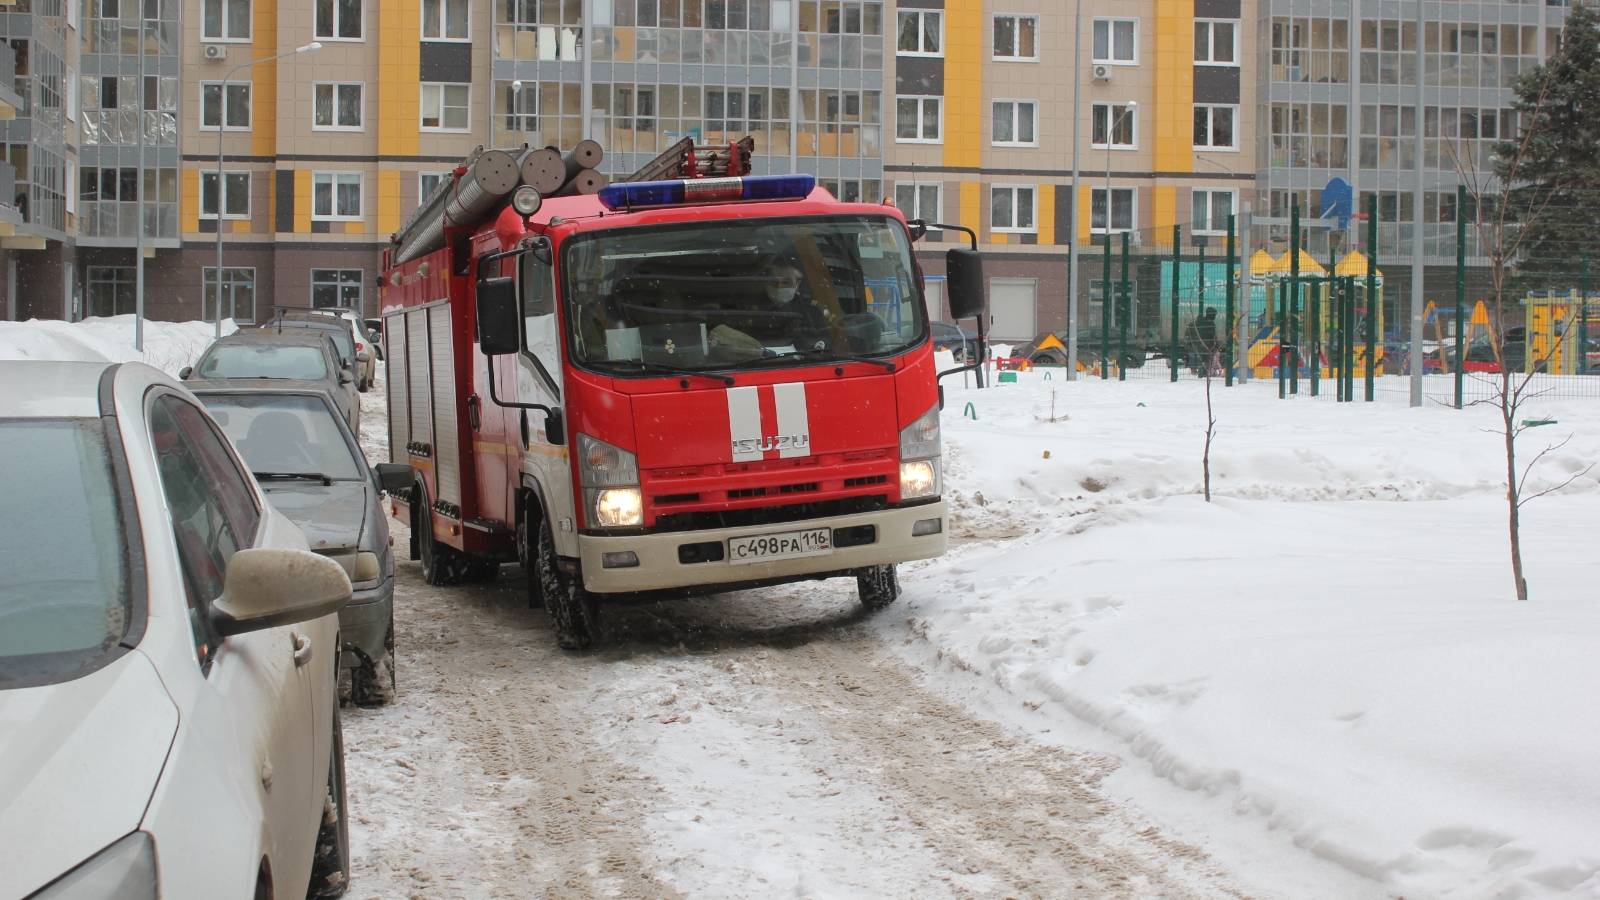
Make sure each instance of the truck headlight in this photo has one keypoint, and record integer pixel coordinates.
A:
(919, 479)
(125, 870)
(618, 507)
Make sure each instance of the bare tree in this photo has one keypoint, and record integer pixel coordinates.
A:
(1211, 432)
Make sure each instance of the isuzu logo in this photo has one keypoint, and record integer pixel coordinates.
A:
(769, 419)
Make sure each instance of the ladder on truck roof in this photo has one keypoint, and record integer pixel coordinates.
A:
(685, 160)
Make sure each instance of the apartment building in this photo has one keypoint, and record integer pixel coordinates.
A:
(983, 135)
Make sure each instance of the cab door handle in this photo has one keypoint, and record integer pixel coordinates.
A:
(302, 649)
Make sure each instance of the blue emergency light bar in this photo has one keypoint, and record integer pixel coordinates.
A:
(689, 191)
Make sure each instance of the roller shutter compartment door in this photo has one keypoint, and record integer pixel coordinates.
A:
(446, 452)
(1012, 306)
(396, 369)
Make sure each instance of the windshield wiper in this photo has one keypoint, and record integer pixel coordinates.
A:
(821, 356)
(664, 369)
(304, 476)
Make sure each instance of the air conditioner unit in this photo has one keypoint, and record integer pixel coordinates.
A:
(216, 51)
(1098, 73)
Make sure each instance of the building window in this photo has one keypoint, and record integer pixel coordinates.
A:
(427, 183)
(1214, 42)
(336, 195)
(238, 294)
(917, 201)
(1116, 41)
(337, 107)
(522, 107)
(916, 119)
(921, 33)
(339, 20)
(852, 190)
(336, 288)
(1014, 123)
(446, 20)
(235, 195)
(1213, 127)
(1211, 211)
(1013, 209)
(234, 115)
(445, 107)
(1316, 135)
(223, 20)
(1016, 38)
(1122, 122)
(1121, 210)
(111, 290)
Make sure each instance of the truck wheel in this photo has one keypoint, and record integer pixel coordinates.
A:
(528, 558)
(877, 586)
(442, 564)
(574, 612)
(372, 682)
(330, 867)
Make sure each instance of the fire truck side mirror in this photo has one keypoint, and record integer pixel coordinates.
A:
(498, 324)
(555, 427)
(964, 288)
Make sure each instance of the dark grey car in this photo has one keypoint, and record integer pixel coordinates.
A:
(340, 329)
(265, 359)
(312, 470)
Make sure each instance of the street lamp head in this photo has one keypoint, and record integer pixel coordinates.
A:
(1133, 104)
(516, 85)
(314, 45)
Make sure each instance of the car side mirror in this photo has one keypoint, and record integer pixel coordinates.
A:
(271, 586)
(964, 286)
(185, 372)
(498, 322)
(363, 357)
(396, 478)
(346, 378)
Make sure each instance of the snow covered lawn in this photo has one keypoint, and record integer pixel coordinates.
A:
(1334, 698)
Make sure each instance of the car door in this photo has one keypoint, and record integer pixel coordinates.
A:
(259, 681)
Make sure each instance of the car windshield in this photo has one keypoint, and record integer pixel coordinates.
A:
(300, 363)
(284, 434)
(64, 597)
(722, 295)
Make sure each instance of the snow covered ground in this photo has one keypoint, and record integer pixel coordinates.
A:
(168, 346)
(1333, 698)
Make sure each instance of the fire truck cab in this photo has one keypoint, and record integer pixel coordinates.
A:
(669, 387)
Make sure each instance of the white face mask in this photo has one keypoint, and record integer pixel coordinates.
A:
(780, 295)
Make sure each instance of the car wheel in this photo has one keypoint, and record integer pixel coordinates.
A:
(574, 612)
(877, 586)
(372, 682)
(330, 867)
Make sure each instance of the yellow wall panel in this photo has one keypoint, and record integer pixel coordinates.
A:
(999, 238)
(191, 201)
(355, 227)
(240, 226)
(263, 78)
(302, 202)
(963, 83)
(1047, 214)
(1084, 197)
(1163, 209)
(399, 76)
(969, 206)
(1172, 119)
(388, 202)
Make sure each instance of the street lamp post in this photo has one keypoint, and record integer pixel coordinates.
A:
(222, 127)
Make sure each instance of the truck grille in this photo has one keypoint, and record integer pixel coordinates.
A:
(806, 488)
(769, 515)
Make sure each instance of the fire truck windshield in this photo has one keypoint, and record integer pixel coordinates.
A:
(721, 295)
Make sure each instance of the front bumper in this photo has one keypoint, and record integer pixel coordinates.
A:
(659, 567)
(364, 624)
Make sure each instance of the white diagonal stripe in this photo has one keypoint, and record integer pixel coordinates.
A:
(744, 422)
(793, 420)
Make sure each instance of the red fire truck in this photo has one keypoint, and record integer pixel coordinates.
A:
(673, 386)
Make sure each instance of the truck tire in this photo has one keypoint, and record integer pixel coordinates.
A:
(574, 612)
(330, 867)
(442, 564)
(528, 557)
(877, 586)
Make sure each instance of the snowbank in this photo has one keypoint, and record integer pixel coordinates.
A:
(168, 346)
(1340, 698)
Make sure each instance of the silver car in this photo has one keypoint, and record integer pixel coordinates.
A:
(312, 470)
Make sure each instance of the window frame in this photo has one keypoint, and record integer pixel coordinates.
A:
(1033, 214)
(361, 108)
(1211, 128)
(444, 18)
(921, 100)
(226, 175)
(441, 127)
(422, 194)
(921, 15)
(234, 283)
(333, 197)
(1111, 122)
(1209, 191)
(916, 195)
(1111, 41)
(1017, 18)
(1015, 122)
(222, 112)
(1133, 210)
(338, 286)
(225, 19)
(361, 24)
(1211, 43)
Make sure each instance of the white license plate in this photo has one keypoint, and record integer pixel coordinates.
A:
(762, 547)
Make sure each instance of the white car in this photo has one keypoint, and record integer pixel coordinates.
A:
(169, 724)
